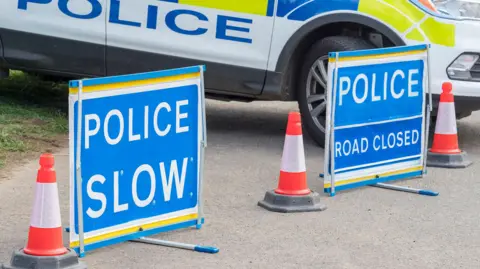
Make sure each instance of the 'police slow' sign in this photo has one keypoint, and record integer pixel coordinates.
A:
(376, 127)
(140, 139)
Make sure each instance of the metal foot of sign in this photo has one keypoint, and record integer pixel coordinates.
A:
(197, 248)
(137, 147)
(378, 105)
(405, 189)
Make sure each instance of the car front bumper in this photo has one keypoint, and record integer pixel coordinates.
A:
(467, 93)
(467, 40)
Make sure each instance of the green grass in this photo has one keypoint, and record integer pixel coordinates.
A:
(33, 90)
(32, 115)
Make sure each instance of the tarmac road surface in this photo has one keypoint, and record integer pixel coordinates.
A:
(362, 228)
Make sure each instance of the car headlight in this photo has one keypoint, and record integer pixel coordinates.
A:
(459, 8)
(464, 67)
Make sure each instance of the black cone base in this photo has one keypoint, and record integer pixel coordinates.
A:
(289, 204)
(20, 260)
(448, 160)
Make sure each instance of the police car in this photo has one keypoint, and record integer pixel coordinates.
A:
(253, 49)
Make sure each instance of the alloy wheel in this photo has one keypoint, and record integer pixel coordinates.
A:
(316, 91)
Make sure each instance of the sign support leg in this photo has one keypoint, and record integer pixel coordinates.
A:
(405, 189)
(158, 242)
(429, 110)
(332, 130)
(200, 192)
(79, 173)
(427, 134)
(203, 145)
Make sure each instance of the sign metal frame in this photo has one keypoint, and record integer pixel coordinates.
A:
(364, 58)
(81, 242)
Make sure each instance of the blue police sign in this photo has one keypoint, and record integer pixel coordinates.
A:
(136, 150)
(376, 117)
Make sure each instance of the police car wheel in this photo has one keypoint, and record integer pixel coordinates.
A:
(313, 82)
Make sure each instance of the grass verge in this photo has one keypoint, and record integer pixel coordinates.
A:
(33, 118)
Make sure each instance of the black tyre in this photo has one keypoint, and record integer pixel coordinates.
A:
(312, 82)
(4, 73)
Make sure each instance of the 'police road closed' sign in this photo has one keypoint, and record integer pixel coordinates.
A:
(140, 151)
(376, 126)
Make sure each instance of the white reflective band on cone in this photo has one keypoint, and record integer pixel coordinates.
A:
(46, 208)
(446, 119)
(293, 158)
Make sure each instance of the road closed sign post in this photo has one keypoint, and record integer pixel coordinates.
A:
(136, 156)
(377, 122)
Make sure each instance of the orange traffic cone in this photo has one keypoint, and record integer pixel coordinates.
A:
(44, 247)
(45, 235)
(292, 193)
(445, 151)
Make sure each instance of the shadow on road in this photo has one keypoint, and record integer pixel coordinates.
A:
(251, 123)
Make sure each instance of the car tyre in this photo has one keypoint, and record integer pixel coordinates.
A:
(312, 82)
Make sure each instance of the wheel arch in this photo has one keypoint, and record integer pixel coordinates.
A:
(321, 27)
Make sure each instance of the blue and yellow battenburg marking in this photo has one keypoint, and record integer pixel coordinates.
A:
(377, 53)
(299, 10)
(372, 179)
(254, 7)
(399, 15)
(141, 79)
(302, 10)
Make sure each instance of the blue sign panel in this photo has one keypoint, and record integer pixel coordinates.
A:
(384, 91)
(376, 127)
(368, 145)
(140, 142)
